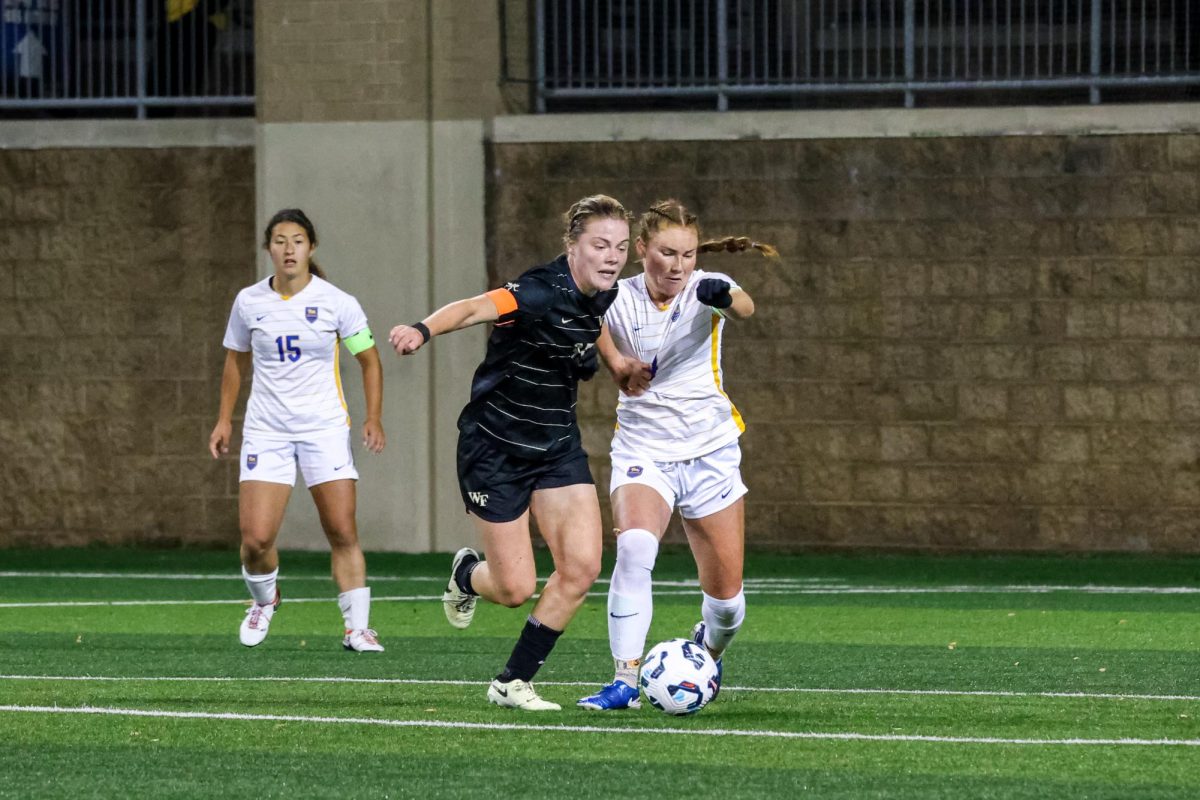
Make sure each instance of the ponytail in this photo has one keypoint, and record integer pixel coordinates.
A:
(738, 244)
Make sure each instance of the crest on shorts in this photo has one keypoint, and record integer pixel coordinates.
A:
(633, 472)
(251, 460)
(310, 313)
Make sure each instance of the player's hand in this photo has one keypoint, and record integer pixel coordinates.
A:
(218, 440)
(406, 339)
(632, 375)
(374, 439)
(714, 292)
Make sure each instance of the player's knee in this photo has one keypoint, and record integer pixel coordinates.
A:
(341, 534)
(637, 549)
(514, 593)
(256, 543)
(578, 576)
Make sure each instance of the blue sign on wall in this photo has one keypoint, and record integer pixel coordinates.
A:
(31, 31)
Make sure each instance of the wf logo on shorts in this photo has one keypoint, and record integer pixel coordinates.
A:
(251, 461)
(478, 498)
(310, 313)
(633, 472)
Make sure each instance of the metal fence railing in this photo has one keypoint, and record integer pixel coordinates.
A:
(720, 50)
(128, 56)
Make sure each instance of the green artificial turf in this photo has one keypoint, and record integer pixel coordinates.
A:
(1012, 673)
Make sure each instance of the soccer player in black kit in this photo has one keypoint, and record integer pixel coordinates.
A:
(519, 448)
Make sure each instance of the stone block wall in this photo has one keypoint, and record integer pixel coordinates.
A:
(376, 60)
(117, 271)
(971, 343)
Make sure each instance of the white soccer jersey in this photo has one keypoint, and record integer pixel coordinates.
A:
(685, 413)
(297, 391)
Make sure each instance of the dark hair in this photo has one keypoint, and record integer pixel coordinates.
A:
(300, 218)
(596, 206)
(672, 213)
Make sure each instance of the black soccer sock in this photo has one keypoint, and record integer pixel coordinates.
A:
(530, 652)
(462, 575)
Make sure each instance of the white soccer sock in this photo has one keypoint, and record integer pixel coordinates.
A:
(630, 602)
(356, 608)
(262, 587)
(722, 618)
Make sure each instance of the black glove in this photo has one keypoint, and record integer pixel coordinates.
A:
(714, 292)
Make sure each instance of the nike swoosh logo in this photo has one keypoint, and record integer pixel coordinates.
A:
(502, 692)
(726, 492)
(260, 319)
(566, 319)
(343, 466)
(622, 616)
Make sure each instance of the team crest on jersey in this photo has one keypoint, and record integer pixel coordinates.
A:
(633, 472)
(310, 313)
(675, 314)
(251, 461)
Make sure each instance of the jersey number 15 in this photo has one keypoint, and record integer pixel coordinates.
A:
(287, 347)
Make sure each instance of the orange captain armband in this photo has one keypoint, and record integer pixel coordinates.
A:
(504, 301)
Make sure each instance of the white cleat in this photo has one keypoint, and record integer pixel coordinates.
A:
(459, 606)
(519, 694)
(362, 641)
(257, 622)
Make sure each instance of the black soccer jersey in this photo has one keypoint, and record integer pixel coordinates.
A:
(523, 394)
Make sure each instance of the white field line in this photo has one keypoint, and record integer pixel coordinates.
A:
(756, 585)
(444, 682)
(238, 602)
(236, 577)
(826, 591)
(495, 726)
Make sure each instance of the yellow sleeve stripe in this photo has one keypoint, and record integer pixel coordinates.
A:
(716, 369)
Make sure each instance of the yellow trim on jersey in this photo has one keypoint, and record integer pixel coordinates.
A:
(716, 368)
(337, 378)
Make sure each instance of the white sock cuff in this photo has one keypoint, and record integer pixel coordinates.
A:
(637, 547)
(732, 610)
(261, 587)
(263, 578)
(356, 607)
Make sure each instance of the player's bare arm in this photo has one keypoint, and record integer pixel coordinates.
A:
(236, 365)
(631, 374)
(455, 316)
(374, 439)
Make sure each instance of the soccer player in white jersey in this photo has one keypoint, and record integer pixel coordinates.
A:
(676, 444)
(290, 326)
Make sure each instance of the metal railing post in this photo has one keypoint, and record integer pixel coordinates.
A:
(910, 50)
(722, 55)
(540, 58)
(140, 57)
(1094, 57)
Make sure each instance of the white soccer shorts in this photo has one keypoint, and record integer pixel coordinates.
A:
(699, 486)
(322, 459)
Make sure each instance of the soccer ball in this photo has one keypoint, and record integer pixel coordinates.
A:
(679, 677)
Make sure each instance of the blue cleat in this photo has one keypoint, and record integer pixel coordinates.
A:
(698, 638)
(613, 697)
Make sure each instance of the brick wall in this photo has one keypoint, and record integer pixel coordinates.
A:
(972, 343)
(323, 60)
(117, 271)
(371, 60)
